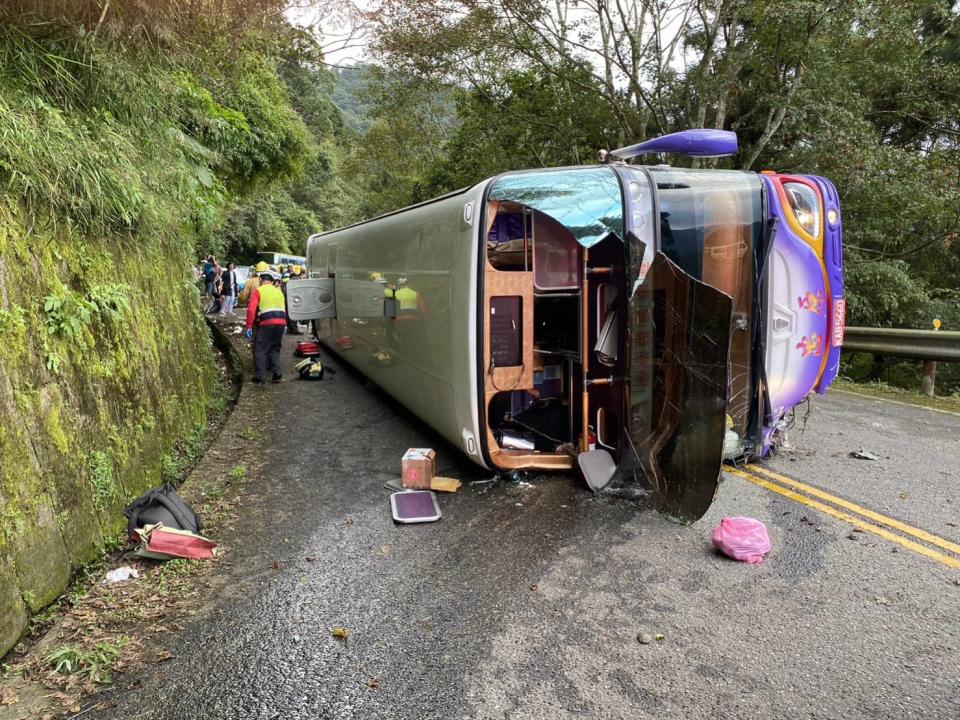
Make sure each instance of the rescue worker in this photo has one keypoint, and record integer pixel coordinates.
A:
(409, 303)
(253, 281)
(266, 312)
(408, 333)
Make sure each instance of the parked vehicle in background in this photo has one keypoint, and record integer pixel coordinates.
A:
(624, 318)
(282, 259)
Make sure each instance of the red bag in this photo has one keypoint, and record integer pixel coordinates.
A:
(306, 348)
(162, 543)
(742, 538)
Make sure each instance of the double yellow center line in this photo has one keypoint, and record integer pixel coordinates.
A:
(860, 517)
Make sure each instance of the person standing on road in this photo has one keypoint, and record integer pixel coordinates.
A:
(229, 292)
(266, 311)
(209, 282)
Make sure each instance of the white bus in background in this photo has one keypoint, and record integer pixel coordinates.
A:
(277, 259)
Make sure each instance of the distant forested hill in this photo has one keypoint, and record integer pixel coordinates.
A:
(349, 95)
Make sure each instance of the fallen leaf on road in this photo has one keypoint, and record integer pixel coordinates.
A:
(384, 550)
(373, 683)
(659, 636)
(534, 588)
(863, 455)
(904, 496)
(340, 633)
(310, 559)
(951, 524)
(882, 600)
(276, 565)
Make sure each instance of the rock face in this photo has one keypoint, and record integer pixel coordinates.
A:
(105, 366)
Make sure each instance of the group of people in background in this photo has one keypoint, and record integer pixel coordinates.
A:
(225, 289)
(221, 287)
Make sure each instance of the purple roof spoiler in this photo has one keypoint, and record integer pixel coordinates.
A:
(697, 143)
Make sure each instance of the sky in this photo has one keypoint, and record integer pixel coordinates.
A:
(332, 21)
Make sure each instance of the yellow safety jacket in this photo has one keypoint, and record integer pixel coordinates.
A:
(271, 310)
(408, 302)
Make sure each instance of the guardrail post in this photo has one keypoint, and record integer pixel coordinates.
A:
(930, 369)
(929, 377)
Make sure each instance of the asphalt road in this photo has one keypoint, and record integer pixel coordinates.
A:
(526, 601)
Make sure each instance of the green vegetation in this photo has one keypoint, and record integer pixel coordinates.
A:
(251, 433)
(239, 472)
(133, 138)
(93, 665)
(102, 479)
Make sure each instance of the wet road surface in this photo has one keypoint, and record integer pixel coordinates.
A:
(526, 601)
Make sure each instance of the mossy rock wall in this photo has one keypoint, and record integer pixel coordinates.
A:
(105, 365)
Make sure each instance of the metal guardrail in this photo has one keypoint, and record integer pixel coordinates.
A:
(934, 345)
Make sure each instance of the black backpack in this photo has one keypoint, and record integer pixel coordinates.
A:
(161, 505)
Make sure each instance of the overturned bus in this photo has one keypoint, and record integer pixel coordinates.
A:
(640, 320)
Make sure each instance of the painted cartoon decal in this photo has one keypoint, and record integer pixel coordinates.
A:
(811, 346)
(811, 302)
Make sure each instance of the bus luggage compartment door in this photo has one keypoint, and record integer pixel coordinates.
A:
(311, 299)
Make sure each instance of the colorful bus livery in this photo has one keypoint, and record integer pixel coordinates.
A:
(621, 319)
(805, 303)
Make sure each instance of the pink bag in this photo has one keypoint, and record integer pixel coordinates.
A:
(742, 538)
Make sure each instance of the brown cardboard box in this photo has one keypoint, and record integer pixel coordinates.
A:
(417, 468)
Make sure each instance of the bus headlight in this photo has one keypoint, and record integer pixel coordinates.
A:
(832, 216)
(805, 205)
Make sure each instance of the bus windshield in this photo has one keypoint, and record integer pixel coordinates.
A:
(587, 201)
(711, 225)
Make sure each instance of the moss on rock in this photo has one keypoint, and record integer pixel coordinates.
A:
(94, 391)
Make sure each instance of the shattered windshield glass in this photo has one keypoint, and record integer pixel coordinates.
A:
(679, 334)
(711, 226)
(587, 201)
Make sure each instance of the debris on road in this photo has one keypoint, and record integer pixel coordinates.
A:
(394, 485)
(309, 369)
(645, 638)
(445, 484)
(121, 574)
(415, 506)
(864, 455)
(162, 543)
(417, 467)
(742, 538)
(160, 506)
(340, 633)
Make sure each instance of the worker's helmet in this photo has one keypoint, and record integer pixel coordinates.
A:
(376, 276)
(266, 276)
(297, 269)
(262, 267)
